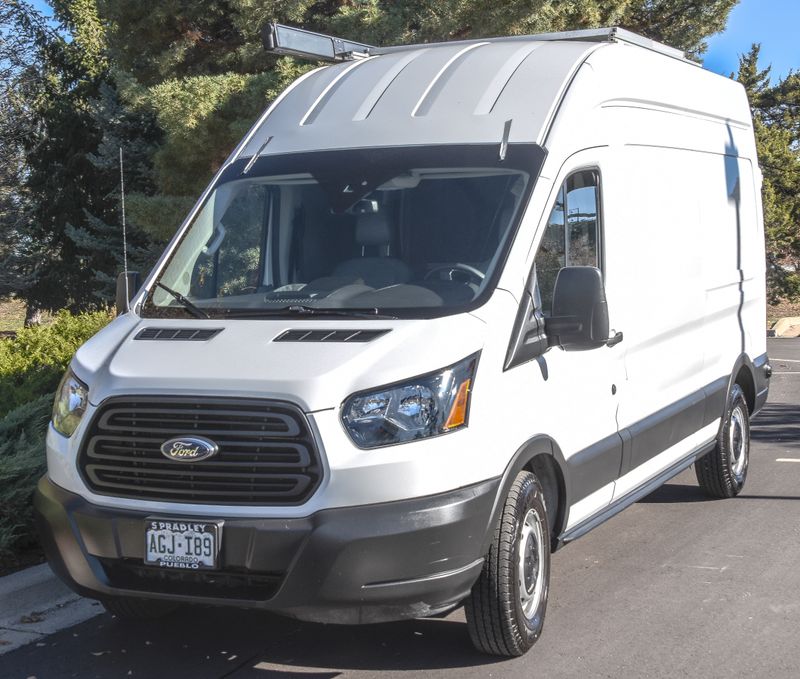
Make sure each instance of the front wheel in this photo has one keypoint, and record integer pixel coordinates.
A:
(505, 610)
(721, 473)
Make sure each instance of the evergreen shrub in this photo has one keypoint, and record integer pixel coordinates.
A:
(22, 463)
(32, 363)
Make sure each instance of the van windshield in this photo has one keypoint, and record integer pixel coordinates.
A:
(407, 232)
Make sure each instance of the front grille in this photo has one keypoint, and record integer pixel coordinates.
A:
(267, 454)
(130, 574)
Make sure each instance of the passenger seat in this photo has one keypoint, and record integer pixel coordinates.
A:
(373, 230)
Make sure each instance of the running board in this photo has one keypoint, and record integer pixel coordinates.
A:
(634, 496)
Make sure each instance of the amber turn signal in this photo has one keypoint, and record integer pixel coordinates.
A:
(458, 413)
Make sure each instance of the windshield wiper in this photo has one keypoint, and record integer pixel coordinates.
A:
(196, 311)
(303, 310)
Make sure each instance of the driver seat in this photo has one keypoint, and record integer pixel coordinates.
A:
(373, 230)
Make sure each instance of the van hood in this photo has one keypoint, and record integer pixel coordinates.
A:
(243, 358)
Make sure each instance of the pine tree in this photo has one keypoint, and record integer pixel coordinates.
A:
(25, 40)
(61, 242)
(200, 68)
(776, 119)
(99, 236)
(177, 84)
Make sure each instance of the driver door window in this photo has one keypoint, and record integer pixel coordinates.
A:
(572, 235)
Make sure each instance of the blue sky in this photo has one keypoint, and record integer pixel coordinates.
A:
(773, 23)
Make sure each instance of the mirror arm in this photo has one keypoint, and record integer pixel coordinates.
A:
(132, 286)
(528, 338)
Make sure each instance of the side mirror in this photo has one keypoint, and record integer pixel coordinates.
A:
(126, 289)
(580, 311)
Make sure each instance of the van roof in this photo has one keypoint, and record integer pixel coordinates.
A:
(610, 34)
(443, 93)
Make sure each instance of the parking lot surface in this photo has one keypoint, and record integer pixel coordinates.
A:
(675, 586)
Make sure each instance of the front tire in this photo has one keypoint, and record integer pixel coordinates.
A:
(722, 472)
(505, 610)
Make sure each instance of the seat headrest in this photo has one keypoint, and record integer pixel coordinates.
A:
(373, 228)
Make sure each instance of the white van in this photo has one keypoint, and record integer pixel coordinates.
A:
(443, 310)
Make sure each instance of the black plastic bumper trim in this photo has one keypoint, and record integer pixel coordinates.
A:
(352, 565)
(671, 425)
(595, 466)
(478, 564)
(761, 376)
(614, 456)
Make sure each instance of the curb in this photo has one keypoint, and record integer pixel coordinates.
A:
(35, 603)
(787, 327)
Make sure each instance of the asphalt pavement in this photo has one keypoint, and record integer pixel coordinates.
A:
(675, 586)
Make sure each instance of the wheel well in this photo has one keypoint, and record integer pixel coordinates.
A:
(744, 379)
(549, 475)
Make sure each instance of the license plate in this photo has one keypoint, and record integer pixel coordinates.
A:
(192, 545)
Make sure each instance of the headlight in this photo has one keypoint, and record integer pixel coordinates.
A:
(424, 406)
(70, 404)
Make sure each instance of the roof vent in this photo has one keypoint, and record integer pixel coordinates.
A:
(329, 335)
(178, 334)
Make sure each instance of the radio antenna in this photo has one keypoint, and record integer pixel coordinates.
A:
(124, 233)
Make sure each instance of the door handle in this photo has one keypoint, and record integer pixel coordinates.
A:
(614, 340)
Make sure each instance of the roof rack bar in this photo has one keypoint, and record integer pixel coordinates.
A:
(298, 42)
(610, 34)
(319, 46)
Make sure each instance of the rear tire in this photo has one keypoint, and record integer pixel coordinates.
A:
(722, 472)
(127, 608)
(505, 610)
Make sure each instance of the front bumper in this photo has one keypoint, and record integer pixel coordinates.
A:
(351, 565)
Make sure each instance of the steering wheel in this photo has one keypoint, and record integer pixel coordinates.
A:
(471, 271)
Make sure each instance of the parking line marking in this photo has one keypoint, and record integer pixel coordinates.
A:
(787, 459)
(721, 569)
(296, 670)
(786, 360)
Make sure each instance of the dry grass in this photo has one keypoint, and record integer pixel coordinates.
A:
(12, 314)
(780, 310)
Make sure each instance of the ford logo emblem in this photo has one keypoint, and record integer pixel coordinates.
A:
(189, 449)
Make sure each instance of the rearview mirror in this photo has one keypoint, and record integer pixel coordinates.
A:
(580, 312)
(126, 289)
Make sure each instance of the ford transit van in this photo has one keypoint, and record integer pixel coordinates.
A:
(444, 309)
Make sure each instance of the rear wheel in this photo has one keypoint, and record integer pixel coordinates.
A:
(138, 609)
(722, 472)
(505, 611)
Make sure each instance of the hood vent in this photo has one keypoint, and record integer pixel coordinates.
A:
(329, 335)
(178, 334)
